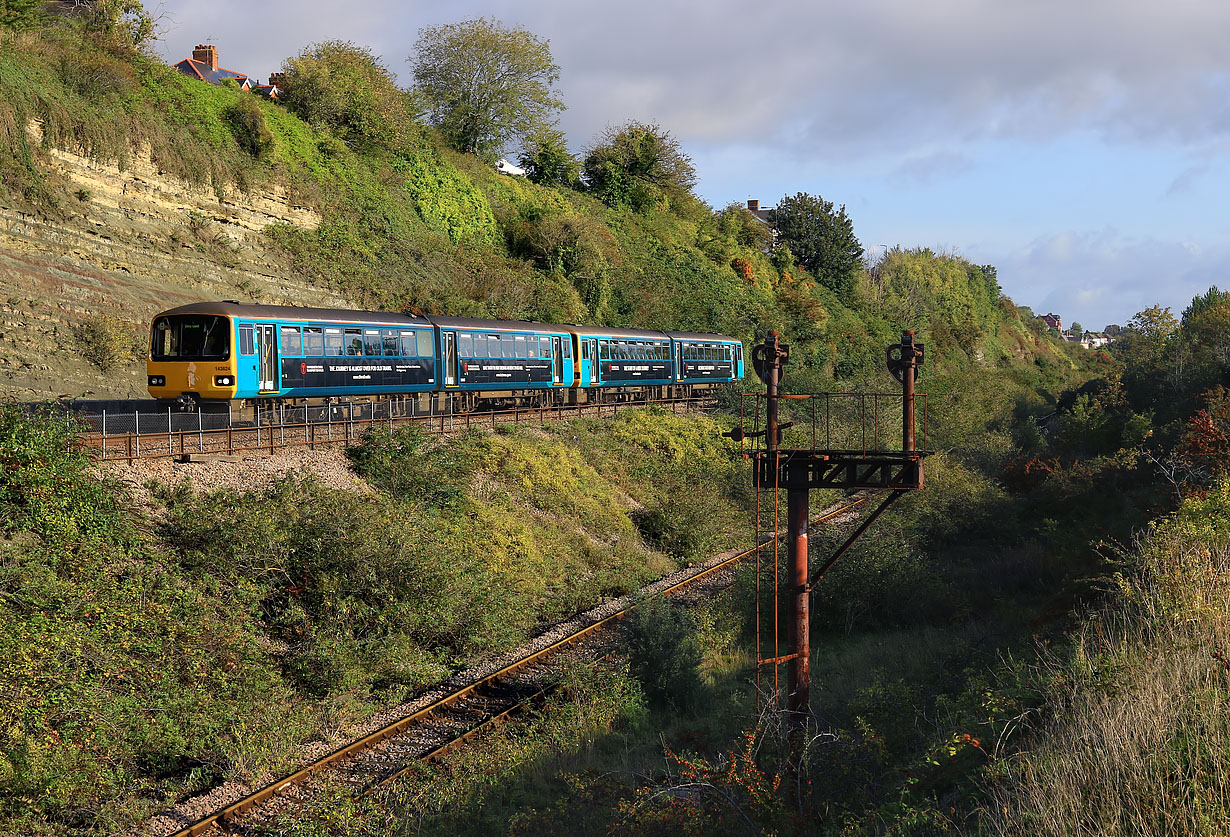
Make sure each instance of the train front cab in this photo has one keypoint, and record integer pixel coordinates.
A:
(191, 356)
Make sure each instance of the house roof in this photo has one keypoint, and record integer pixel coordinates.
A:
(201, 70)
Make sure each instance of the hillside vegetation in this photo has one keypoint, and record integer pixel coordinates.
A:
(407, 223)
(962, 684)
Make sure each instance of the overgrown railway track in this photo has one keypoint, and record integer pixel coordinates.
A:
(128, 437)
(378, 758)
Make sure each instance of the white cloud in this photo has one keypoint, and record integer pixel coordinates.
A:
(845, 78)
(1100, 277)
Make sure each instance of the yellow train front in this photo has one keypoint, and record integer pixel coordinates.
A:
(190, 357)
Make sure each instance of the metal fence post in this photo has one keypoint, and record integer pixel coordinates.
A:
(104, 433)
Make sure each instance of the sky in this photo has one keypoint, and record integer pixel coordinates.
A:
(1080, 146)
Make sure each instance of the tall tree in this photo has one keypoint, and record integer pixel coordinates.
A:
(821, 238)
(639, 166)
(485, 84)
(344, 88)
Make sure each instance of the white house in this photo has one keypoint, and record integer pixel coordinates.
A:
(505, 167)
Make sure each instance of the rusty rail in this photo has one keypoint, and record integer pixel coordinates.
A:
(261, 795)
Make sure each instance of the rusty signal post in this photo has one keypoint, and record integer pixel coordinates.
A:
(854, 466)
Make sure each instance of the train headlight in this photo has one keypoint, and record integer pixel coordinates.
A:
(223, 380)
(157, 381)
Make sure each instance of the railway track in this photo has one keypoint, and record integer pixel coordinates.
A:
(137, 435)
(447, 721)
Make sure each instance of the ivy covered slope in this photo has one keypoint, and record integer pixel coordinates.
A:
(406, 222)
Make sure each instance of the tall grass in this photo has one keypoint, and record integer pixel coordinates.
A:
(1139, 736)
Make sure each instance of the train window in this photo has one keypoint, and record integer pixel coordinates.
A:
(371, 342)
(166, 339)
(427, 343)
(408, 347)
(334, 346)
(465, 345)
(565, 347)
(507, 346)
(493, 345)
(292, 343)
(519, 346)
(191, 337)
(354, 342)
(544, 343)
(388, 338)
(531, 347)
(247, 341)
(313, 341)
(604, 349)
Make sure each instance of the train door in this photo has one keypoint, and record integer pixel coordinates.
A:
(557, 360)
(593, 360)
(267, 366)
(448, 356)
(678, 361)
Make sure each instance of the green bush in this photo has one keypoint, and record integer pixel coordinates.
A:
(44, 485)
(664, 653)
(410, 464)
(247, 121)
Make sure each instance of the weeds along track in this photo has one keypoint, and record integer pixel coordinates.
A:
(448, 716)
(129, 436)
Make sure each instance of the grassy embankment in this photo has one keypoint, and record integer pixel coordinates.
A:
(181, 640)
(145, 658)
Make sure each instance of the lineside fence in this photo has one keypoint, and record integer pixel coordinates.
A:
(130, 435)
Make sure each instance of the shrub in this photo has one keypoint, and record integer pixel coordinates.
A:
(408, 463)
(105, 341)
(247, 122)
(664, 653)
(44, 487)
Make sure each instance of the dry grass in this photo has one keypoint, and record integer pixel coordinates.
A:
(1139, 737)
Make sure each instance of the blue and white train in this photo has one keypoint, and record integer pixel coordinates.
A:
(228, 352)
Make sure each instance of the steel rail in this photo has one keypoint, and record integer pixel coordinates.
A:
(261, 795)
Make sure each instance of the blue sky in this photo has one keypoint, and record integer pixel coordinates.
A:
(1080, 146)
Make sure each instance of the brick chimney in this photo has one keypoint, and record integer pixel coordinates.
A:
(278, 80)
(206, 54)
(753, 205)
